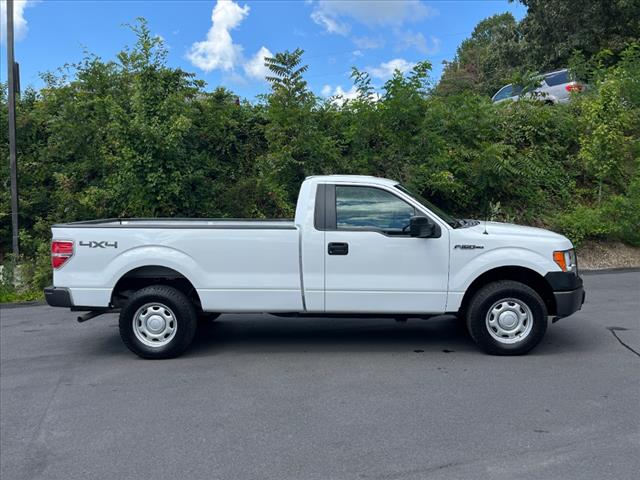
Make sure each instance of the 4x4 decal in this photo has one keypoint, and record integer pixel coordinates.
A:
(98, 244)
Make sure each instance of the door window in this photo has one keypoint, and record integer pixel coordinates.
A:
(371, 208)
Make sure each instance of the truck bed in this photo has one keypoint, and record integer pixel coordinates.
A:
(189, 223)
(234, 265)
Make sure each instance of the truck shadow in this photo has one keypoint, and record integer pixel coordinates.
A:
(446, 334)
(265, 333)
(441, 335)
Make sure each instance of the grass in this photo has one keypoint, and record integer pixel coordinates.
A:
(11, 296)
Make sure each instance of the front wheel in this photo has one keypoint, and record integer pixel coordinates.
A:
(507, 318)
(158, 322)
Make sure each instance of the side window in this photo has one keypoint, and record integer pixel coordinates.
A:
(504, 92)
(371, 208)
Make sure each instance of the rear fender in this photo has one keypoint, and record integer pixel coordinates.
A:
(155, 255)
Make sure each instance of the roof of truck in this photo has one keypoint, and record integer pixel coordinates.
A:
(352, 179)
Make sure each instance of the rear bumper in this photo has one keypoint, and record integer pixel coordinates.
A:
(568, 292)
(58, 297)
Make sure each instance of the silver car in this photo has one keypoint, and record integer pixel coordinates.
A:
(552, 87)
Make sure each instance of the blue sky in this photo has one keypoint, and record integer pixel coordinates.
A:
(224, 41)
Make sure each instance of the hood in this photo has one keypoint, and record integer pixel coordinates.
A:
(510, 229)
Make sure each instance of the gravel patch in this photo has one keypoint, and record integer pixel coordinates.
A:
(601, 255)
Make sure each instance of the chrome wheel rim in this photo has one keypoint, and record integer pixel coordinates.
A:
(155, 325)
(509, 320)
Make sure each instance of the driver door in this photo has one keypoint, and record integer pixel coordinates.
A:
(372, 265)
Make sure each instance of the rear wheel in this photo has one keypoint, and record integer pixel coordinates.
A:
(507, 318)
(158, 322)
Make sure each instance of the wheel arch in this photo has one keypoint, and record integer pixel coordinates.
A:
(520, 274)
(145, 276)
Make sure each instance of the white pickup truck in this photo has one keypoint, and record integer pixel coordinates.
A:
(358, 246)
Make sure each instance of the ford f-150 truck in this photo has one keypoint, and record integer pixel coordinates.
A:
(358, 245)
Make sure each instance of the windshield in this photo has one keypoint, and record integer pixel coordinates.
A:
(454, 222)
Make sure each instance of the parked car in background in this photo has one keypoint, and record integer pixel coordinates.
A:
(553, 87)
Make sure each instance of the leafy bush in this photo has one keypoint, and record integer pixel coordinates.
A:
(134, 137)
(584, 223)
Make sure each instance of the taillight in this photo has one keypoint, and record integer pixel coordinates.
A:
(61, 251)
(573, 87)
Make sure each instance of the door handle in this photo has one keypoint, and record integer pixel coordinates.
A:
(338, 248)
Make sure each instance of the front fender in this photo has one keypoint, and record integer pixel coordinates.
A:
(465, 270)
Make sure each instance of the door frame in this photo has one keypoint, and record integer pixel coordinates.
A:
(325, 215)
(325, 220)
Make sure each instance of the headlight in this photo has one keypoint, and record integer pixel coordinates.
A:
(566, 260)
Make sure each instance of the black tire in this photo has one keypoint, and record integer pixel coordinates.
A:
(181, 310)
(483, 301)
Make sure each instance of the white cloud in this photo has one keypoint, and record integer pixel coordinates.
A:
(386, 69)
(357, 53)
(329, 22)
(340, 96)
(418, 41)
(328, 13)
(350, 94)
(20, 26)
(235, 78)
(218, 50)
(368, 43)
(254, 67)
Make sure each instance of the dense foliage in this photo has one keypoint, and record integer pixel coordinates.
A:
(134, 137)
(501, 50)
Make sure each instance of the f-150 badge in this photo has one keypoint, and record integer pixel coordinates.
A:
(468, 247)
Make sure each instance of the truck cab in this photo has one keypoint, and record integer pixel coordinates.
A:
(358, 245)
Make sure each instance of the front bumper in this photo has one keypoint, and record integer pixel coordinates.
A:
(567, 303)
(58, 297)
(568, 292)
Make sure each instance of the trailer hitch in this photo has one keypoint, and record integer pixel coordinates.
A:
(95, 313)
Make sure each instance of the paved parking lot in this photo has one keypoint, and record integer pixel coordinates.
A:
(260, 397)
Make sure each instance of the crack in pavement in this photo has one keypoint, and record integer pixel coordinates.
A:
(622, 329)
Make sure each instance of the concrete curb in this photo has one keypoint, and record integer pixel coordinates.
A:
(608, 270)
(33, 303)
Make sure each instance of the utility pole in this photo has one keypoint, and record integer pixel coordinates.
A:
(12, 72)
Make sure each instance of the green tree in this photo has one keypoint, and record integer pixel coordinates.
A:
(134, 137)
(296, 145)
(485, 61)
(554, 29)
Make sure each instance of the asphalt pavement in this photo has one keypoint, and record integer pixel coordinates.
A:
(261, 397)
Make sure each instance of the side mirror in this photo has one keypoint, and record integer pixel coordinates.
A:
(423, 227)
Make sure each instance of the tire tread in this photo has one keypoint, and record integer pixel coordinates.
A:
(185, 313)
(475, 318)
